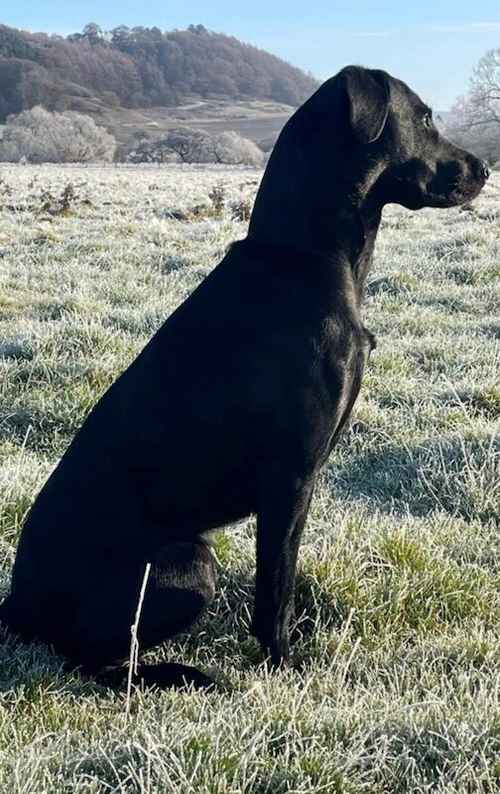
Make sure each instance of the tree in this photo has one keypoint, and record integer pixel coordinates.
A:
(485, 92)
(285, 90)
(474, 120)
(191, 145)
(11, 95)
(179, 143)
(229, 147)
(39, 136)
(194, 146)
(120, 35)
(463, 127)
(93, 33)
(151, 151)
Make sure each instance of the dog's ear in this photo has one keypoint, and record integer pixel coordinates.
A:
(368, 97)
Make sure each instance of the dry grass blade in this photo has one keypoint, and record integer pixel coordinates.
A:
(134, 643)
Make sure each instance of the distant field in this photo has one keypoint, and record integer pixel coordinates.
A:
(395, 680)
(254, 119)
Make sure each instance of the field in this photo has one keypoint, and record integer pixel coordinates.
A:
(395, 680)
(254, 119)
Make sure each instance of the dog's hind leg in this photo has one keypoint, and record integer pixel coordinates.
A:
(181, 584)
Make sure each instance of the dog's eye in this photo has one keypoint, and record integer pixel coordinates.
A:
(427, 120)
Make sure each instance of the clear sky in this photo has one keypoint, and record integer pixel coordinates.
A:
(431, 44)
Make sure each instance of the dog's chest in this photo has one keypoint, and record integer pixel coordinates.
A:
(340, 369)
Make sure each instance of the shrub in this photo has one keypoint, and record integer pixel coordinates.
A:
(39, 136)
(229, 147)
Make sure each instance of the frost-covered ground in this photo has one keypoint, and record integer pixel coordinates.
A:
(395, 682)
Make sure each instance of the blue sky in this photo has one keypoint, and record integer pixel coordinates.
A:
(432, 44)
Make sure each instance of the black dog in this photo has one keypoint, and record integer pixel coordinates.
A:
(238, 400)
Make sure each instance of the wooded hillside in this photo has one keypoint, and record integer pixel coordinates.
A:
(138, 67)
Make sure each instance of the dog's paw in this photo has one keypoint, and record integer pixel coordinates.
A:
(274, 641)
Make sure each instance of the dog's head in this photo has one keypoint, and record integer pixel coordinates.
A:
(389, 126)
(362, 140)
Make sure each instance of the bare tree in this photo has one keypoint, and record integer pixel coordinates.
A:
(151, 151)
(474, 120)
(485, 92)
(196, 146)
(39, 136)
(191, 145)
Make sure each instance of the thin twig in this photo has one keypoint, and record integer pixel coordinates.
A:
(134, 644)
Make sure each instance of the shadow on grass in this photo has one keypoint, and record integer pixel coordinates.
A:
(451, 474)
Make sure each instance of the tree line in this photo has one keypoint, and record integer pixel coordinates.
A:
(138, 67)
(141, 67)
(43, 136)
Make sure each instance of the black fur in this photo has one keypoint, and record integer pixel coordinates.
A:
(237, 401)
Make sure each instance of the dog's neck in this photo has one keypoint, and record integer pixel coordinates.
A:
(344, 235)
(334, 215)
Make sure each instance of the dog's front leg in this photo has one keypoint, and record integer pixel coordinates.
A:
(281, 518)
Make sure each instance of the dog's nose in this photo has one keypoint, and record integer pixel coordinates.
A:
(485, 171)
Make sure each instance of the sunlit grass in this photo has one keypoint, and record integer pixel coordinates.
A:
(395, 671)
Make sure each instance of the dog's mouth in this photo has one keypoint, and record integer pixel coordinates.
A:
(459, 191)
(418, 187)
(451, 183)
(458, 195)
(455, 183)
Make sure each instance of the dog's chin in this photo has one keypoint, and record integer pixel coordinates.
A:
(459, 195)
